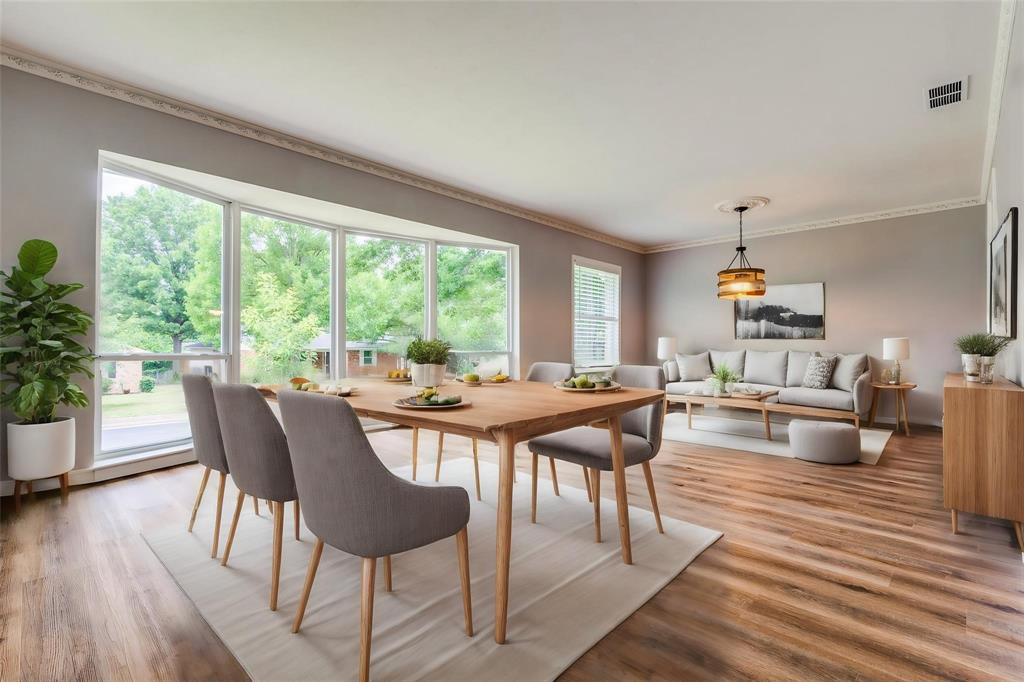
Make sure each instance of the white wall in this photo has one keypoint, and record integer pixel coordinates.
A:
(920, 276)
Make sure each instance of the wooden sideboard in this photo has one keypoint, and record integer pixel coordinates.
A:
(983, 450)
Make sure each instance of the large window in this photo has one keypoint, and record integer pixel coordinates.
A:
(473, 307)
(595, 306)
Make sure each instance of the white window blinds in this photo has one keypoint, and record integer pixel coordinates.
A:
(595, 305)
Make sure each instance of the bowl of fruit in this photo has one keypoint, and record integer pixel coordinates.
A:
(470, 379)
(398, 376)
(499, 378)
(585, 384)
(304, 384)
(430, 399)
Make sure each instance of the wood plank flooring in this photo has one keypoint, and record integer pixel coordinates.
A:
(825, 572)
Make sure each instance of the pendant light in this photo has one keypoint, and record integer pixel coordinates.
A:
(744, 280)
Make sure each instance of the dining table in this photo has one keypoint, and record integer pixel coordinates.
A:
(506, 414)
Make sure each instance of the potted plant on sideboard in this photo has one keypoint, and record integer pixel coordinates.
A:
(40, 355)
(978, 354)
(428, 361)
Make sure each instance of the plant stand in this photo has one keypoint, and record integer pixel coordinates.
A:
(64, 484)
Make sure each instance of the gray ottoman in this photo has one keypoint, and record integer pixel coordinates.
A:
(825, 442)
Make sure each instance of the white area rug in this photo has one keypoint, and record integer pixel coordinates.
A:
(567, 592)
(730, 430)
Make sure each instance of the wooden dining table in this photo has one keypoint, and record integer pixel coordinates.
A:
(507, 414)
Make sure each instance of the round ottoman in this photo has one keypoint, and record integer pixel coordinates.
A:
(825, 442)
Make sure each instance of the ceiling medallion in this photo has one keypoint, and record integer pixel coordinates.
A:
(743, 281)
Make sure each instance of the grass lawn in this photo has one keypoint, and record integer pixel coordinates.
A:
(165, 399)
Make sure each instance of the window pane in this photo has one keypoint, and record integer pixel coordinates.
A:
(595, 317)
(285, 301)
(143, 406)
(484, 364)
(472, 298)
(160, 269)
(385, 289)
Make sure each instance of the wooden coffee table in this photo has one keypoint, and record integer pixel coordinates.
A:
(754, 402)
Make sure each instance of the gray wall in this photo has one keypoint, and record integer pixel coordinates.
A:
(920, 276)
(52, 135)
(1008, 189)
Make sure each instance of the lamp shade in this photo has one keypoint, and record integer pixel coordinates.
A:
(897, 348)
(666, 347)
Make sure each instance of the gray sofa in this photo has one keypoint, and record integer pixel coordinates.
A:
(849, 390)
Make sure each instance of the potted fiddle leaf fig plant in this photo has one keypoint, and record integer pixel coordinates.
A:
(41, 354)
(428, 361)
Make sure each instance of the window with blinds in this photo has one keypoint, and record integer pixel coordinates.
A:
(595, 306)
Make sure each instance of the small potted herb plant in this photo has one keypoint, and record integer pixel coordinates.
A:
(722, 380)
(978, 355)
(40, 356)
(428, 361)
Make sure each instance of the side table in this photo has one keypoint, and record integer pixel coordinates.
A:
(901, 402)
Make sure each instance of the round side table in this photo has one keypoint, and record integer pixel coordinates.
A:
(901, 402)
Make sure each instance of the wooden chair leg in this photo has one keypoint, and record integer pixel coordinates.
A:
(270, 506)
(366, 618)
(314, 562)
(476, 469)
(554, 476)
(17, 496)
(296, 509)
(387, 573)
(595, 484)
(199, 497)
(234, 525)
(462, 544)
(256, 505)
(533, 488)
(275, 569)
(220, 509)
(586, 480)
(649, 476)
(415, 449)
(440, 447)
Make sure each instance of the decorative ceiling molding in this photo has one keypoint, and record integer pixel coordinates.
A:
(38, 66)
(823, 224)
(1004, 36)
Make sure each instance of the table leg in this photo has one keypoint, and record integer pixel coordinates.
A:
(767, 424)
(875, 395)
(1018, 528)
(621, 500)
(954, 521)
(689, 415)
(906, 415)
(506, 463)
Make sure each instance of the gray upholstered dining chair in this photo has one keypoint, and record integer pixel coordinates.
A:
(591, 448)
(550, 372)
(257, 453)
(206, 443)
(352, 502)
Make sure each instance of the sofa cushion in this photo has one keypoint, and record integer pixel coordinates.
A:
(819, 372)
(733, 359)
(796, 366)
(683, 387)
(848, 369)
(671, 370)
(828, 398)
(694, 367)
(765, 367)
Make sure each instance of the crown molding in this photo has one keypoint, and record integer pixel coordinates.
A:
(38, 66)
(824, 224)
(1004, 35)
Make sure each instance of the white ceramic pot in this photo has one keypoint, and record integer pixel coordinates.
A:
(427, 376)
(971, 363)
(36, 451)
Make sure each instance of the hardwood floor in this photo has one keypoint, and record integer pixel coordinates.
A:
(825, 572)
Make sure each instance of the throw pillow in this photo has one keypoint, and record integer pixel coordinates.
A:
(848, 369)
(731, 359)
(796, 367)
(819, 372)
(694, 367)
(765, 367)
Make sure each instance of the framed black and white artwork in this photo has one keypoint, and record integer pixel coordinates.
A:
(1002, 282)
(786, 311)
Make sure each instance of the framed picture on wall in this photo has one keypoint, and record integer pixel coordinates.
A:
(786, 311)
(1002, 278)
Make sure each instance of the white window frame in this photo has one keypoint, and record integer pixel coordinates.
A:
(605, 267)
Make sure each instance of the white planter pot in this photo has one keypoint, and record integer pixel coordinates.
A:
(427, 376)
(36, 451)
(972, 366)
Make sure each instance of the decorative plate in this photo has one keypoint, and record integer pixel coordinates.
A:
(398, 380)
(412, 406)
(614, 387)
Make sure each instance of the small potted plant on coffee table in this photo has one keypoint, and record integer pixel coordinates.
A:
(428, 361)
(722, 380)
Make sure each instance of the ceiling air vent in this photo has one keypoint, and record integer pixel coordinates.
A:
(946, 94)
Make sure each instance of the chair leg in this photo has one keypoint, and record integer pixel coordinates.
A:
(462, 544)
(595, 484)
(220, 507)
(649, 476)
(314, 562)
(234, 525)
(586, 479)
(554, 476)
(366, 618)
(476, 469)
(533, 488)
(415, 449)
(296, 509)
(270, 506)
(256, 505)
(440, 447)
(275, 569)
(199, 497)
(387, 573)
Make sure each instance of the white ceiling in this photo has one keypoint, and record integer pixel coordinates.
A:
(632, 119)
